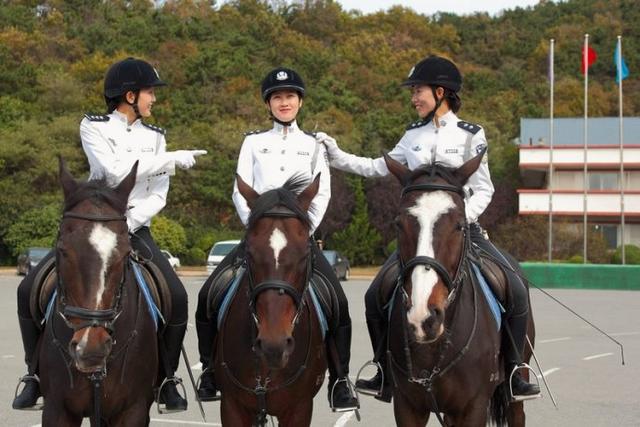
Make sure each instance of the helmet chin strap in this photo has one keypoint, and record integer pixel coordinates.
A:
(432, 113)
(134, 105)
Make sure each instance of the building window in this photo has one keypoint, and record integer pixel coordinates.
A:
(610, 234)
(603, 181)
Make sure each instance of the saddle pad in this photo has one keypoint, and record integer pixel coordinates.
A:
(146, 293)
(44, 285)
(495, 307)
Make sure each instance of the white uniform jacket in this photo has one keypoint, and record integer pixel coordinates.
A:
(453, 143)
(112, 147)
(268, 159)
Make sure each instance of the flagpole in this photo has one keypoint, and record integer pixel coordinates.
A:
(622, 180)
(585, 55)
(551, 81)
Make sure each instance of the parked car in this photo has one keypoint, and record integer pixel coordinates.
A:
(30, 258)
(173, 261)
(339, 263)
(218, 252)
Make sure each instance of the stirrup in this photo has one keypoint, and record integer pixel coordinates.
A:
(521, 398)
(353, 393)
(162, 408)
(218, 395)
(369, 392)
(23, 380)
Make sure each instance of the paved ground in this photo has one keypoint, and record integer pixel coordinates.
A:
(582, 367)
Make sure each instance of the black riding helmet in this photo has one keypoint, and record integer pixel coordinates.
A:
(130, 75)
(279, 79)
(435, 71)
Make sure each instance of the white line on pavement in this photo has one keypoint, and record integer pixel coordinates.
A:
(548, 372)
(553, 340)
(597, 356)
(344, 419)
(8, 356)
(622, 334)
(181, 422)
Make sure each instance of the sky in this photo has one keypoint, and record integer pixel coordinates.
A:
(429, 7)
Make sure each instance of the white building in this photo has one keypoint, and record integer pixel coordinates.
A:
(603, 158)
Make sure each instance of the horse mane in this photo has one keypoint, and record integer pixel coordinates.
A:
(283, 196)
(433, 170)
(98, 190)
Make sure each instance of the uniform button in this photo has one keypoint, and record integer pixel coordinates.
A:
(282, 168)
(283, 151)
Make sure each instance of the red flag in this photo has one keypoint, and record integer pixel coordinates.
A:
(588, 58)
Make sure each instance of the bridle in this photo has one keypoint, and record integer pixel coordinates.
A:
(406, 267)
(281, 286)
(91, 318)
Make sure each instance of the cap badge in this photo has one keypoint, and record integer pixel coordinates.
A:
(282, 75)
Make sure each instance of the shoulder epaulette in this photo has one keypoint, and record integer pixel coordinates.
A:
(154, 128)
(255, 132)
(96, 117)
(311, 134)
(417, 124)
(469, 127)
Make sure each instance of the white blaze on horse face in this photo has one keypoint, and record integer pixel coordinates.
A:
(104, 242)
(428, 209)
(277, 241)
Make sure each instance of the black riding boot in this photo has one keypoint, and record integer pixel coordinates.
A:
(207, 390)
(339, 393)
(29, 395)
(374, 386)
(169, 395)
(520, 388)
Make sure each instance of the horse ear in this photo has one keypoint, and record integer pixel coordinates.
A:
(309, 193)
(126, 185)
(249, 194)
(69, 185)
(399, 170)
(466, 170)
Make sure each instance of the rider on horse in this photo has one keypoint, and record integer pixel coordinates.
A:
(113, 143)
(266, 161)
(439, 136)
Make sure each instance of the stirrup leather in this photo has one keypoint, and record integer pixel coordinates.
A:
(162, 408)
(23, 380)
(520, 398)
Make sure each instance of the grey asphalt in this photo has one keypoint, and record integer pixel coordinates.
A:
(583, 368)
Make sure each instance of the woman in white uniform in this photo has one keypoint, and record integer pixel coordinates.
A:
(439, 136)
(267, 160)
(112, 144)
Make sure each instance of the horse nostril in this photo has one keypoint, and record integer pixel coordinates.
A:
(436, 312)
(289, 342)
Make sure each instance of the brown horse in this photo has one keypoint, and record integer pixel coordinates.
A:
(98, 321)
(270, 353)
(445, 352)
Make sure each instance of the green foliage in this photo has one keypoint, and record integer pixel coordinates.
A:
(36, 227)
(53, 56)
(631, 255)
(169, 235)
(359, 240)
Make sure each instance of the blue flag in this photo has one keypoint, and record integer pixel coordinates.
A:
(622, 72)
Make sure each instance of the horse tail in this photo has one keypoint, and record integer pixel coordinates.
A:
(499, 406)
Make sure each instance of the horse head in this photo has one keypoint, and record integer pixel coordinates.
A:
(278, 263)
(431, 227)
(92, 253)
